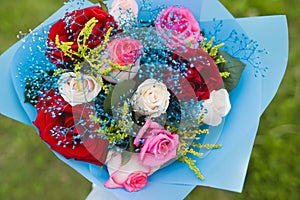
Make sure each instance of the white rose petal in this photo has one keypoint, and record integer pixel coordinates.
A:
(114, 163)
(216, 107)
(151, 98)
(210, 116)
(221, 101)
(124, 11)
(78, 90)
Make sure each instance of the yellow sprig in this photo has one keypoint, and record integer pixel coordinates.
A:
(192, 166)
(117, 66)
(224, 74)
(94, 56)
(195, 153)
(213, 52)
(206, 146)
(84, 36)
(209, 44)
(106, 88)
(65, 47)
(220, 59)
(115, 132)
(208, 47)
(57, 72)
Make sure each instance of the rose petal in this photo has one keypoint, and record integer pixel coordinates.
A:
(111, 184)
(118, 172)
(221, 102)
(211, 117)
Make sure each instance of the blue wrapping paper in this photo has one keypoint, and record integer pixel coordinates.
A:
(225, 168)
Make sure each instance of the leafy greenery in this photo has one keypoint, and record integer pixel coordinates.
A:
(30, 171)
(121, 91)
(107, 101)
(103, 5)
(234, 67)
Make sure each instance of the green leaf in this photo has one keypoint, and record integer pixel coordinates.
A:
(126, 157)
(122, 91)
(107, 101)
(103, 5)
(234, 66)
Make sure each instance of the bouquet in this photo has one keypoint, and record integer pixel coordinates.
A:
(133, 93)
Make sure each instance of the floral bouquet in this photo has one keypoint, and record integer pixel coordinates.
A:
(148, 95)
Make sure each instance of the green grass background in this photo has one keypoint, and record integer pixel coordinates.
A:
(29, 170)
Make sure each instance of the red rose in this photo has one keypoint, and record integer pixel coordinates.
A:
(69, 27)
(201, 71)
(196, 83)
(68, 129)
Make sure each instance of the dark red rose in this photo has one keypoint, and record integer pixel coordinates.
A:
(200, 71)
(69, 28)
(197, 84)
(68, 129)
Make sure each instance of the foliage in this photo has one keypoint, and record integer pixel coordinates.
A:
(232, 68)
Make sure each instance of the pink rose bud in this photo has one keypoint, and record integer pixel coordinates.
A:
(136, 181)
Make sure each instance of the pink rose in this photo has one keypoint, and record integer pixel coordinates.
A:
(124, 51)
(158, 146)
(132, 176)
(178, 27)
(136, 181)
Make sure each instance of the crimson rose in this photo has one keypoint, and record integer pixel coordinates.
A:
(68, 129)
(197, 84)
(201, 71)
(69, 28)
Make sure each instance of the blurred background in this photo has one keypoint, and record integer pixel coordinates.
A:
(29, 170)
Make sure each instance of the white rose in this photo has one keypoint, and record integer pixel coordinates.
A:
(124, 11)
(77, 90)
(216, 107)
(151, 98)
